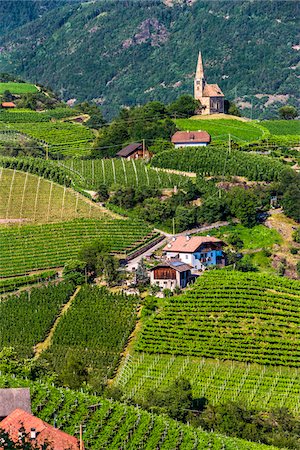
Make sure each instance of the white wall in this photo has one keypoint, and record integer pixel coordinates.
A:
(191, 144)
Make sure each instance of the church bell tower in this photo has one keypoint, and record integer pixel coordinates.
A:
(199, 81)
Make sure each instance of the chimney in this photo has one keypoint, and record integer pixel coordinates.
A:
(173, 238)
(187, 237)
(169, 245)
(32, 433)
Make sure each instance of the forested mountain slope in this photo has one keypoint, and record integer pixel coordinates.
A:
(129, 52)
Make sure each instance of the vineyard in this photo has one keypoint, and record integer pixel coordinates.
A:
(11, 284)
(61, 137)
(31, 198)
(94, 172)
(109, 425)
(28, 116)
(283, 127)
(218, 381)
(18, 88)
(230, 315)
(218, 161)
(94, 330)
(219, 129)
(26, 318)
(36, 247)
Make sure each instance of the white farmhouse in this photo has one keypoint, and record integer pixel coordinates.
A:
(197, 251)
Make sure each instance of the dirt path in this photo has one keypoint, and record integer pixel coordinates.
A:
(176, 172)
(42, 346)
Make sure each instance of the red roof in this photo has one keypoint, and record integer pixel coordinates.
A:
(196, 137)
(8, 105)
(185, 244)
(212, 90)
(45, 433)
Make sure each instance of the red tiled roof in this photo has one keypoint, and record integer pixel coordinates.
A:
(8, 105)
(181, 137)
(182, 244)
(44, 432)
(212, 90)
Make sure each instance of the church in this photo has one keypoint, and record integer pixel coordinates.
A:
(210, 95)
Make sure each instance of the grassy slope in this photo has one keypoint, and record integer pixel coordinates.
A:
(35, 199)
(219, 129)
(17, 88)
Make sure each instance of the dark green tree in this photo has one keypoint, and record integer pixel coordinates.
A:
(288, 112)
(184, 106)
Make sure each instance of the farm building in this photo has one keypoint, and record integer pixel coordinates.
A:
(190, 139)
(210, 95)
(8, 105)
(13, 398)
(197, 251)
(171, 274)
(38, 431)
(134, 151)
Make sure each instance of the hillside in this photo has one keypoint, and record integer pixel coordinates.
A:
(230, 315)
(75, 50)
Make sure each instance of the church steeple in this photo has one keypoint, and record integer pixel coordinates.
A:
(199, 70)
(199, 80)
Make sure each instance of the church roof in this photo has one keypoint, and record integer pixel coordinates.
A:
(199, 69)
(212, 90)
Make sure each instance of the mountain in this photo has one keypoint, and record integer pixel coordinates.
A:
(129, 52)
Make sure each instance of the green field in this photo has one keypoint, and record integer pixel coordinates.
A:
(230, 315)
(253, 238)
(17, 88)
(91, 173)
(283, 127)
(37, 247)
(112, 425)
(220, 129)
(34, 199)
(220, 382)
(27, 317)
(94, 330)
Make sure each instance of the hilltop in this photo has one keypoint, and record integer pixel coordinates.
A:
(151, 52)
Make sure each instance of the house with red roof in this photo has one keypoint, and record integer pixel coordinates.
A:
(20, 423)
(190, 138)
(199, 252)
(8, 105)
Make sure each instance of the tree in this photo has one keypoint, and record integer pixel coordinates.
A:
(74, 271)
(7, 96)
(233, 109)
(92, 254)
(141, 274)
(184, 106)
(291, 202)
(74, 374)
(102, 193)
(161, 145)
(288, 112)
(243, 205)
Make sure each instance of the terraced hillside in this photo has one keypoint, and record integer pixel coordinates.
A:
(33, 247)
(230, 315)
(220, 161)
(111, 425)
(91, 173)
(34, 199)
(218, 381)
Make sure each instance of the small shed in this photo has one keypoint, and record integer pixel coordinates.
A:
(190, 139)
(134, 151)
(170, 274)
(11, 399)
(8, 105)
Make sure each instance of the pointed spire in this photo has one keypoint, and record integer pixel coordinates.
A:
(199, 70)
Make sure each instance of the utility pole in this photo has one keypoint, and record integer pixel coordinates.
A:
(229, 143)
(47, 152)
(143, 148)
(251, 108)
(80, 437)
(173, 222)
